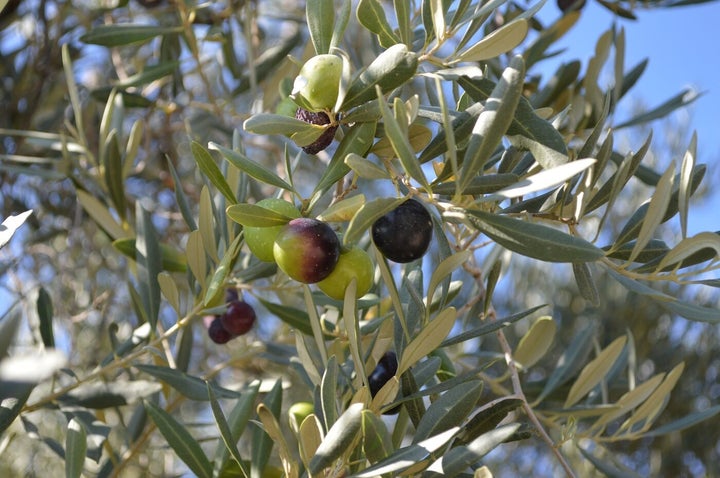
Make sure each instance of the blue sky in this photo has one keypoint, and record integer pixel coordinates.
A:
(682, 45)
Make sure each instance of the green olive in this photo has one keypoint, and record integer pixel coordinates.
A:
(353, 264)
(317, 85)
(260, 239)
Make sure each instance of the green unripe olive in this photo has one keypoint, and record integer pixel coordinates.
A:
(260, 240)
(307, 250)
(298, 412)
(353, 264)
(316, 86)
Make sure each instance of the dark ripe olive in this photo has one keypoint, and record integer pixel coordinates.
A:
(404, 234)
(218, 333)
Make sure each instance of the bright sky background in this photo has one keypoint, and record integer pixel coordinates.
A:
(682, 45)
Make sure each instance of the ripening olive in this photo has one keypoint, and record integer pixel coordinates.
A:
(307, 250)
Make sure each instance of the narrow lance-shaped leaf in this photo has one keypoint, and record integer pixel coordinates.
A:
(250, 167)
(222, 271)
(191, 387)
(690, 246)
(679, 307)
(543, 180)
(655, 403)
(150, 265)
(595, 371)
(253, 215)
(400, 143)
(225, 431)
(262, 443)
(45, 314)
(320, 15)
(429, 338)
(338, 439)
(459, 458)
(11, 224)
(655, 212)
(391, 69)
(125, 34)
(75, 448)
(366, 216)
(534, 240)
(494, 121)
(376, 439)
(685, 186)
(684, 422)
(449, 410)
(680, 100)
(527, 130)
(357, 140)
(496, 43)
(585, 283)
(237, 422)
(180, 440)
(536, 342)
(207, 165)
(409, 456)
(371, 15)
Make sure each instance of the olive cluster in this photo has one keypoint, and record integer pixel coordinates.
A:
(309, 251)
(237, 320)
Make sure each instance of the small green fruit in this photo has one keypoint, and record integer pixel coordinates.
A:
(353, 264)
(260, 240)
(317, 85)
(298, 412)
(307, 250)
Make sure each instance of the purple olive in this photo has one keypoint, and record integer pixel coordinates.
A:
(239, 318)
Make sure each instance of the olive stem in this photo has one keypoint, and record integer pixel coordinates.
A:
(517, 388)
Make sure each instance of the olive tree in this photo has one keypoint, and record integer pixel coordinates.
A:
(272, 238)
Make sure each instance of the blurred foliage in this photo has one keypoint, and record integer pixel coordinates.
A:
(115, 116)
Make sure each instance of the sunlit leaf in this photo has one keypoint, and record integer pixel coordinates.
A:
(497, 43)
(656, 211)
(595, 371)
(536, 342)
(371, 15)
(545, 179)
(493, 121)
(338, 439)
(391, 69)
(429, 338)
(406, 457)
